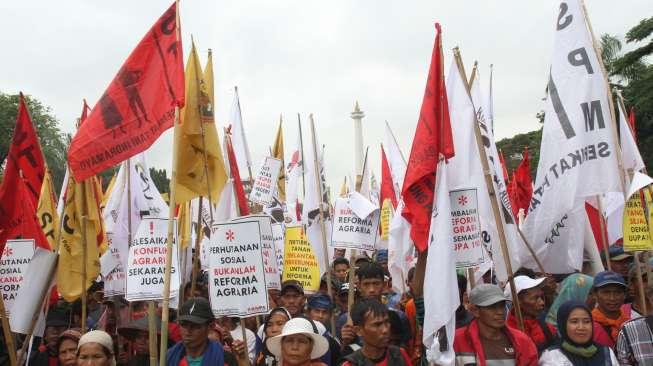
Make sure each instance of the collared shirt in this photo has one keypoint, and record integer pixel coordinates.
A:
(635, 342)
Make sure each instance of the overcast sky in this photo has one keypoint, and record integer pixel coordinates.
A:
(290, 57)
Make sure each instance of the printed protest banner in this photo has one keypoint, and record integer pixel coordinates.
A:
(636, 228)
(300, 263)
(386, 217)
(147, 261)
(266, 181)
(466, 228)
(13, 266)
(278, 237)
(272, 277)
(351, 231)
(236, 270)
(114, 281)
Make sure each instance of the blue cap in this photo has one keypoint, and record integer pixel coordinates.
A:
(382, 255)
(608, 278)
(319, 301)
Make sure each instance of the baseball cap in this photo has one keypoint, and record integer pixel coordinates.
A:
(486, 294)
(292, 285)
(608, 278)
(196, 310)
(523, 283)
(319, 301)
(616, 253)
(382, 256)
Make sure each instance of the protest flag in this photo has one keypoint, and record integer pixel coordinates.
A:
(239, 190)
(387, 185)
(396, 160)
(523, 184)
(239, 140)
(138, 105)
(432, 139)
(502, 160)
(277, 152)
(631, 121)
(200, 165)
(295, 172)
(46, 211)
(579, 152)
(632, 159)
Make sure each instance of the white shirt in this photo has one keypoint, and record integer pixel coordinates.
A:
(251, 342)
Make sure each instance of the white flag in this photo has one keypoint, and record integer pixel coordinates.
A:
(631, 157)
(294, 171)
(441, 298)
(396, 160)
(577, 155)
(238, 138)
(400, 250)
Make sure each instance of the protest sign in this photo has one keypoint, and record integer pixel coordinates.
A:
(351, 231)
(147, 261)
(13, 266)
(278, 237)
(300, 263)
(466, 228)
(37, 280)
(236, 270)
(635, 224)
(386, 216)
(272, 278)
(266, 182)
(114, 280)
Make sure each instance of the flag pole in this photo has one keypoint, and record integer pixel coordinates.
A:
(6, 331)
(530, 250)
(196, 251)
(493, 199)
(206, 162)
(84, 254)
(318, 180)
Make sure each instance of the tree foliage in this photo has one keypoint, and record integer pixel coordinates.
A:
(161, 180)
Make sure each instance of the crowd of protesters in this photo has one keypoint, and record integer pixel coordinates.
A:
(578, 319)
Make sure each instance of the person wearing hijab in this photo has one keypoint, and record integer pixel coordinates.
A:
(272, 326)
(95, 348)
(575, 287)
(576, 347)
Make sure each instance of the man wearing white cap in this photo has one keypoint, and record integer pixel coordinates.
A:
(531, 300)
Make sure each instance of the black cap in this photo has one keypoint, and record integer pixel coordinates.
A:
(57, 318)
(196, 310)
(130, 330)
(292, 284)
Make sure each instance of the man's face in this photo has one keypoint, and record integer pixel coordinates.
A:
(321, 315)
(140, 342)
(293, 301)
(371, 288)
(492, 316)
(621, 266)
(193, 335)
(375, 330)
(532, 302)
(52, 334)
(340, 271)
(609, 298)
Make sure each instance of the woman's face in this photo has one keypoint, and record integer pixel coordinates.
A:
(275, 324)
(68, 353)
(579, 326)
(92, 354)
(296, 349)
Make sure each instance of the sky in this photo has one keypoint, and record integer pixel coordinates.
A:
(289, 57)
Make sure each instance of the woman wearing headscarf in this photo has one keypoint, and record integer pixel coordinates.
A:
(272, 326)
(575, 287)
(576, 347)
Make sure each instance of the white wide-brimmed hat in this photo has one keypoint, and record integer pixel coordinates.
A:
(298, 326)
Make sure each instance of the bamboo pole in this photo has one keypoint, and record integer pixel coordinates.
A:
(470, 278)
(640, 282)
(530, 250)
(84, 255)
(493, 199)
(318, 180)
(196, 251)
(6, 331)
(151, 325)
(243, 360)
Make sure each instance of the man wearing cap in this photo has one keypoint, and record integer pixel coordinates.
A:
(195, 348)
(319, 308)
(531, 301)
(137, 333)
(620, 261)
(488, 340)
(292, 297)
(609, 289)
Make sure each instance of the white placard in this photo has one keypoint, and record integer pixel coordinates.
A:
(114, 281)
(272, 275)
(266, 182)
(351, 231)
(236, 270)
(13, 266)
(147, 261)
(466, 228)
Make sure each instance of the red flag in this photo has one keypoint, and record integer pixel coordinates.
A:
(432, 141)
(235, 175)
(24, 156)
(387, 186)
(503, 166)
(631, 122)
(138, 105)
(523, 184)
(595, 218)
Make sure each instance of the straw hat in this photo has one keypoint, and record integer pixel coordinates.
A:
(299, 326)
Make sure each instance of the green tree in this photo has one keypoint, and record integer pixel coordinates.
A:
(53, 143)
(161, 180)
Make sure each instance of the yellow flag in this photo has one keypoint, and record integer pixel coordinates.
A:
(107, 193)
(197, 116)
(184, 222)
(277, 152)
(80, 199)
(47, 211)
(637, 235)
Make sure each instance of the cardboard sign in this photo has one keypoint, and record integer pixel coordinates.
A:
(272, 275)
(300, 262)
(266, 182)
(147, 261)
(15, 260)
(466, 228)
(236, 270)
(637, 234)
(278, 235)
(351, 231)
